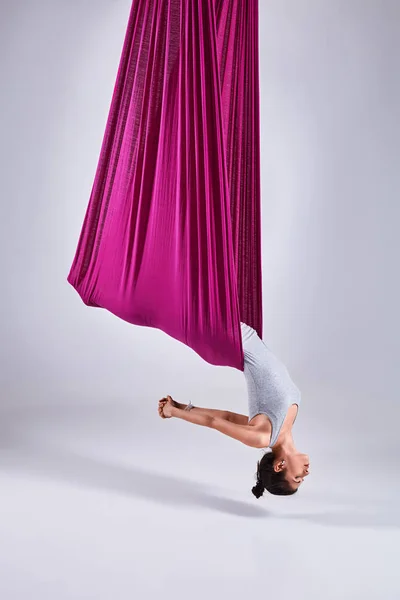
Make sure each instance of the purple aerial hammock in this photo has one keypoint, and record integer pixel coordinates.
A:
(171, 238)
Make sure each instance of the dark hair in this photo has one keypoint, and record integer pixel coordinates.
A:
(270, 480)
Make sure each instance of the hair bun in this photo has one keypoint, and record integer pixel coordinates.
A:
(258, 489)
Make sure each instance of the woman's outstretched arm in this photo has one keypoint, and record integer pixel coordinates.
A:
(213, 412)
(247, 434)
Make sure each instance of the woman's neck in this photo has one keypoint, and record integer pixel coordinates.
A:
(285, 439)
(285, 443)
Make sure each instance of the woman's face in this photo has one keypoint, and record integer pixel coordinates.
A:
(296, 468)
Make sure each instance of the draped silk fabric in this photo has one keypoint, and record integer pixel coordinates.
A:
(171, 237)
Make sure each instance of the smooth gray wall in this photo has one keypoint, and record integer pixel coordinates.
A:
(330, 98)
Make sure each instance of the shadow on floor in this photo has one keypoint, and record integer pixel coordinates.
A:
(154, 487)
(24, 447)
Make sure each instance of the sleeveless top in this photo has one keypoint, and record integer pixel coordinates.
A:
(270, 389)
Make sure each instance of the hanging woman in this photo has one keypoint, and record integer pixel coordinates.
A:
(273, 403)
(176, 206)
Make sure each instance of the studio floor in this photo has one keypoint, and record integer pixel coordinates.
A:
(104, 502)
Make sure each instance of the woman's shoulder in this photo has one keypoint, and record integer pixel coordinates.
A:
(262, 422)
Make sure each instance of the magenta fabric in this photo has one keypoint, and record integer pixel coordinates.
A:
(171, 237)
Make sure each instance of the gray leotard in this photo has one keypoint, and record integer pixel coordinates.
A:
(270, 389)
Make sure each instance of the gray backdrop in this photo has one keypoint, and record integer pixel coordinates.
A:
(73, 376)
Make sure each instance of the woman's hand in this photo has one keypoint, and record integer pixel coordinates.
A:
(166, 406)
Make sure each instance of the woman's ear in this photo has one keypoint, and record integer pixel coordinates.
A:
(279, 465)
